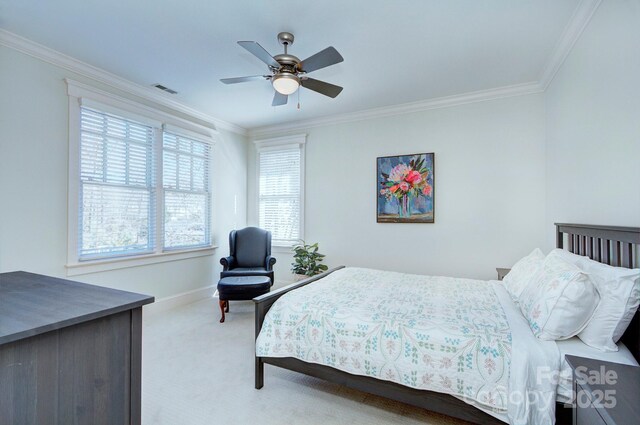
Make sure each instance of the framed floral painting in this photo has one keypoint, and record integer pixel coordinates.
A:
(406, 188)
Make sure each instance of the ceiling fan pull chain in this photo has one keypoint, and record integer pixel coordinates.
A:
(298, 100)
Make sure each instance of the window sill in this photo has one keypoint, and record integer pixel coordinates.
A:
(283, 249)
(97, 266)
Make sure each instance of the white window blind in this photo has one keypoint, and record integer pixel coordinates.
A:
(187, 198)
(280, 193)
(117, 188)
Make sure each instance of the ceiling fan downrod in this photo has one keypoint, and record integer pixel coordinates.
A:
(286, 39)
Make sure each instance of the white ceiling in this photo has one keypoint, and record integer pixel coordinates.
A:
(395, 51)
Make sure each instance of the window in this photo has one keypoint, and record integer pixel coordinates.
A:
(280, 188)
(139, 184)
(186, 192)
(117, 189)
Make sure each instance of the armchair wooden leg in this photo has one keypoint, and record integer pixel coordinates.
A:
(226, 306)
(222, 307)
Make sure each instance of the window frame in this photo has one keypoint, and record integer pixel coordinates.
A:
(275, 144)
(80, 94)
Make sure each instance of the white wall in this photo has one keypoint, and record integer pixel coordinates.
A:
(505, 171)
(33, 185)
(489, 183)
(593, 124)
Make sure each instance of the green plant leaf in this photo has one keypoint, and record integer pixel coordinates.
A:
(307, 260)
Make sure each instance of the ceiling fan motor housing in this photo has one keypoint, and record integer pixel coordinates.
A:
(287, 60)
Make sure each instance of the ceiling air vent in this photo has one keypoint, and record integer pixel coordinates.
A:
(164, 88)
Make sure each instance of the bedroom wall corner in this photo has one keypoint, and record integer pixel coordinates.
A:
(593, 124)
(33, 184)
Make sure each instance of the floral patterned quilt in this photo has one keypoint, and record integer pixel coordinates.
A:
(434, 333)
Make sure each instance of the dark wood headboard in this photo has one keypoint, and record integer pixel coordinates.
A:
(612, 245)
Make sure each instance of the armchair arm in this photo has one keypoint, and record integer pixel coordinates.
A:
(228, 262)
(269, 262)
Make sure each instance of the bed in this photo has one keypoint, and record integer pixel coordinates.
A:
(480, 399)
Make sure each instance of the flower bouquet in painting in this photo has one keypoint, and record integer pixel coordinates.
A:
(405, 189)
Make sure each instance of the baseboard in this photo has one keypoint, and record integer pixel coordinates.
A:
(280, 283)
(165, 304)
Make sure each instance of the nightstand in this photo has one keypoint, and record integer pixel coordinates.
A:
(502, 273)
(605, 393)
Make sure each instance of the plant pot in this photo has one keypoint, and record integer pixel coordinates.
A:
(299, 277)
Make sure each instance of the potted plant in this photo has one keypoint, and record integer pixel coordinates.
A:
(307, 261)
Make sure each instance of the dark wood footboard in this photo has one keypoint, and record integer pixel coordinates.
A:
(264, 302)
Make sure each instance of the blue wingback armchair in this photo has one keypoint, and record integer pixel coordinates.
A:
(249, 254)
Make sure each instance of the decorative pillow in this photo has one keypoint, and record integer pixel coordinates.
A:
(619, 290)
(522, 272)
(559, 301)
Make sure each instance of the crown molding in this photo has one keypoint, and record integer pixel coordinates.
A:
(405, 108)
(576, 25)
(61, 60)
(579, 20)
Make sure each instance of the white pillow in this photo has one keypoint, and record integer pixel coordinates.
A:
(522, 272)
(559, 301)
(619, 290)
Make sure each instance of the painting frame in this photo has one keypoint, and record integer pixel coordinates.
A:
(405, 188)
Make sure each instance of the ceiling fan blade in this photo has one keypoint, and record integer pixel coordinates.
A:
(321, 87)
(242, 79)
(322, 59)
(259, 52)
(279, 99)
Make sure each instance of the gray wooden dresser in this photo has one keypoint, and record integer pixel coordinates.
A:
(70, 353)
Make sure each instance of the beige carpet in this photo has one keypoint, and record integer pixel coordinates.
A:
(197, 371)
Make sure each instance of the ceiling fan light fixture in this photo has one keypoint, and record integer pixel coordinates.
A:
(285, 83)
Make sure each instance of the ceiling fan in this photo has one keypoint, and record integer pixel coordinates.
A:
(288, 72)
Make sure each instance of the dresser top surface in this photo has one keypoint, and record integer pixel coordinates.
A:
(31, 304)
